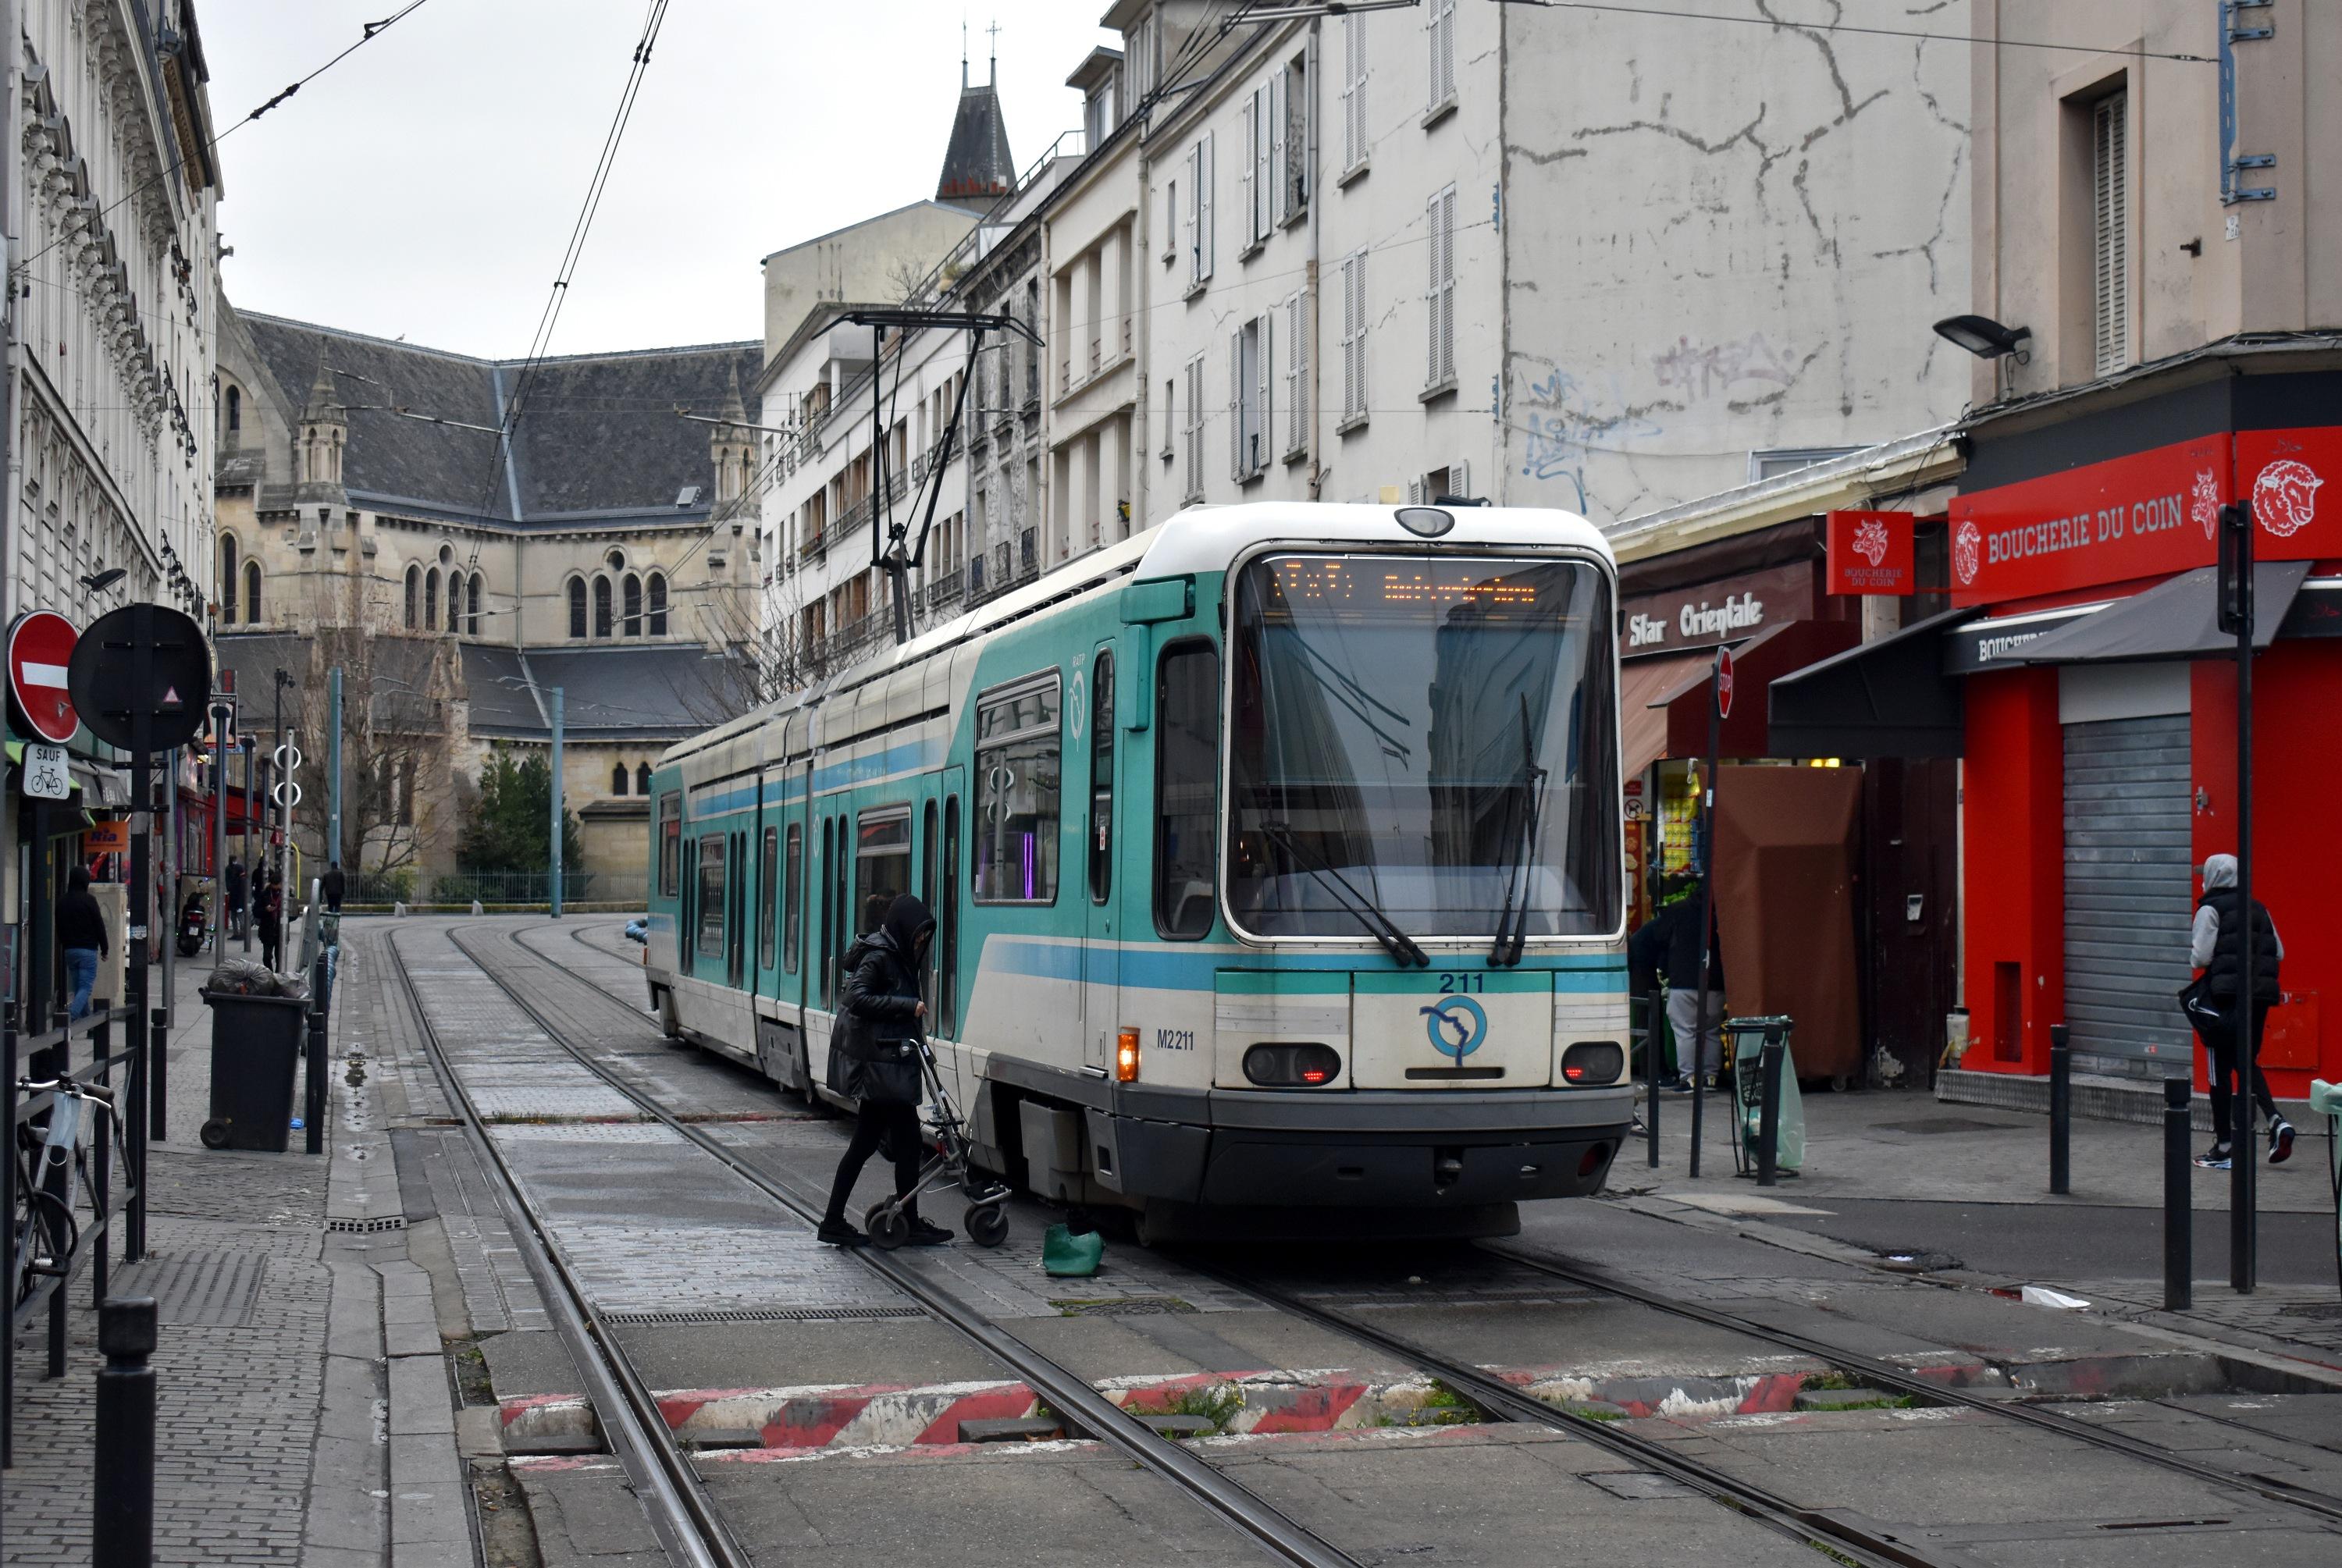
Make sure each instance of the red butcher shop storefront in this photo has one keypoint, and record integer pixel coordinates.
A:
(2081, 679)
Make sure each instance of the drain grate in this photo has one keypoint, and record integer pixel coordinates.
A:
(368, 1227)
(758, 1314)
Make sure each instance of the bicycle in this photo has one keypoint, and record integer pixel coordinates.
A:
(51, 1163)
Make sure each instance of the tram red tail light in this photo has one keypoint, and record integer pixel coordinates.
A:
(1126, 1056)
(1592, 1062)
(1306, 1066)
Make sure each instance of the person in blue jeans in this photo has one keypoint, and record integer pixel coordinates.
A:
(81, 934)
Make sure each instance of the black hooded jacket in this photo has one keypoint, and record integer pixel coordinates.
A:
(879, 996)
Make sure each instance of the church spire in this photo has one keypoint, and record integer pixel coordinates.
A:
(977, 166)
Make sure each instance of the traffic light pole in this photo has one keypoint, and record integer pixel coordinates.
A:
(554, 885)
(2242, 1222)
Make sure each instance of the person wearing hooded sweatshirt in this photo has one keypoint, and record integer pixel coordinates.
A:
(872, 1056)
(81, 935)
(2214, 946)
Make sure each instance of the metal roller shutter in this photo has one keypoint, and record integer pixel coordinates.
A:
(2128, 892)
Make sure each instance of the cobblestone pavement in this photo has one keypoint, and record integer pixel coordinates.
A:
(299, 1376)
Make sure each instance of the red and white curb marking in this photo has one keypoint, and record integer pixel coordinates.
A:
(1268, 1403)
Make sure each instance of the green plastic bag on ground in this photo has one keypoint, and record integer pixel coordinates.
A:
(1065, 1255)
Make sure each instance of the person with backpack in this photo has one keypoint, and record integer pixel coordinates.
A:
(2215, 948)
(874, 1058)
(269, 911)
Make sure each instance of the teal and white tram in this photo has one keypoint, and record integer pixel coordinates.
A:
(1276, 855)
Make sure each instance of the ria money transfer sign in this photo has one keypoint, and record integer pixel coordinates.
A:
(2148, 515)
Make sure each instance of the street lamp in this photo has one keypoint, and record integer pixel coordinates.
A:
(1985, 337)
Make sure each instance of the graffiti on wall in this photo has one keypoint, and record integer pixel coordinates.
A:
(1703, 370)
(1565, 421)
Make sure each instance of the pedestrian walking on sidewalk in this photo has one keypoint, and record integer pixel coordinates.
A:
(331, 885)
(269, 910)
(2215, 948)
(81, 935)
(232, 910)
(873, 1057)
(1670, 942)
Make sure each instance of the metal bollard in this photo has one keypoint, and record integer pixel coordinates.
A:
(314, 1101)
(2061, 1111)
(122, 1516)
(1655, 1020)
(1768, 1110)
(2178, 1198)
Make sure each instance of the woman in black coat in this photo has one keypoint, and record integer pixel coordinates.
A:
(873, 1057)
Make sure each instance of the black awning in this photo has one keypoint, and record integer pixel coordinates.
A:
(2173, 620)
(1890, 698)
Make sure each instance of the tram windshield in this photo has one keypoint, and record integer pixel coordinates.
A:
(1417, 744)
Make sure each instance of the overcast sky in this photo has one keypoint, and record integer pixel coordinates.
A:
(427, 184)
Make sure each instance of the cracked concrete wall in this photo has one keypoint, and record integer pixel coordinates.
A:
(1726, 237)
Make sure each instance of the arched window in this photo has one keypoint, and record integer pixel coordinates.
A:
(618, 779)
(472, 607)
(454, 600)
(633, 603)
(658, 604)
(227, 579)
(414, 588)
(643, 780)
(578, 607)
(601, 606)
(252, 592)
(235, 410)
(431, 600)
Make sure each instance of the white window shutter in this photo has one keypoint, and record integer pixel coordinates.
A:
(1280, 182)
(2110, 160)
(1265, 370)
(1431, 294)
(1460, 480)
(1204, 194)
(1415, 493)
(1296, 370)
(1255, 154)
(1189, 213)
(1235, 403)
(1354, 91)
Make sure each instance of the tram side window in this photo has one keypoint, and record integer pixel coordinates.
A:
(1186, 782)
(829, 854)
(947, 920)
(1101, 833)
(711, 896)
(768, 894)
(1019, 758)
(929, 848)
(793, 894)
(882, 865)
(670, 841)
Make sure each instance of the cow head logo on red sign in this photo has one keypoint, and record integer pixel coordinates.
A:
(2204, 501)
(1870, 541)
(2285, 497)
(1967, 547)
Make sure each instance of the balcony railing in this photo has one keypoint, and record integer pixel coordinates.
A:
(947, 589)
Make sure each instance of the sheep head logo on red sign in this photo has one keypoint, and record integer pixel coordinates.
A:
(2285, 496)
(1967, 545)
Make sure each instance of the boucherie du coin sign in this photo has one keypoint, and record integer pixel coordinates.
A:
(1868, 552)
(2148, 515)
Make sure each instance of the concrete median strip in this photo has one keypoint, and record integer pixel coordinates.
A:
(1264, 1404)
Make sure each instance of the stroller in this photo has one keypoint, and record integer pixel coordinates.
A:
(986, 1220)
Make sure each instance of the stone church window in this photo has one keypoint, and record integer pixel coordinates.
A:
(472, 607)
(252, 592)
(634, 603)
(643, 780)
(227, 576)
(658, 604)
(431, 600)
(578, 607)
(235, 411)
(414, 587)
(618, 779)
(601, 606)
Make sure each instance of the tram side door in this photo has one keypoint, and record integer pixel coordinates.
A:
(1098, 758)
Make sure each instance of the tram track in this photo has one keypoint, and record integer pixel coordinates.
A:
(1843, 1533)
(1067, 1394)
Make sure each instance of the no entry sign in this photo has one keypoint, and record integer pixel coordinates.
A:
(40, 654)
(1723, 683)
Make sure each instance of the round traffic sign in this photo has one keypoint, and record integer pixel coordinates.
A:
(1723, 683)
(40, 655)
(142, 664)
(279, 795)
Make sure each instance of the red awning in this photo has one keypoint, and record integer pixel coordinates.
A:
(1643, 685)
(1772, 653)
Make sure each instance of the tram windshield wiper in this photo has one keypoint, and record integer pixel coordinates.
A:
(1364, 910)
(1525, 803)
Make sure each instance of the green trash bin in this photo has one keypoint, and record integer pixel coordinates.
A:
(255, 1046)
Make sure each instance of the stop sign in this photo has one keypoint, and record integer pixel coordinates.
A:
(1723, 683)
(40, 653)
